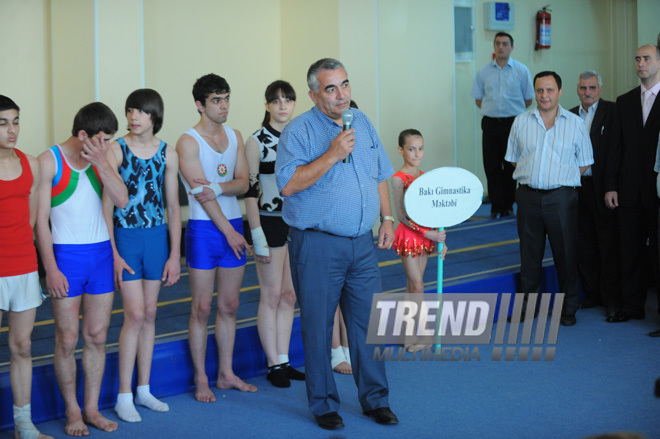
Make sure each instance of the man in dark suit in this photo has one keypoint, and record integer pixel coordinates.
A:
(634, 193)
(598, 246)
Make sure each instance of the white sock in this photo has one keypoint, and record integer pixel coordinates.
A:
(125, 408)
(337, 357)
(283, 359)
(23, 422)
(145, 398)
(347, 355)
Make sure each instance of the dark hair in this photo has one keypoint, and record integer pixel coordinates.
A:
(408, 133)
(503, 34)
(545, 73)
(273, 92)
(7, 104)
(322, 64)
(150, 102)
(208, 84)
(94, 118)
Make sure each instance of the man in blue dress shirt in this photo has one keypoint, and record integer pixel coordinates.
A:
(331, 206)
(550, 149)
(502, 90)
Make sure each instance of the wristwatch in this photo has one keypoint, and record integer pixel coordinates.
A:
(386, 218)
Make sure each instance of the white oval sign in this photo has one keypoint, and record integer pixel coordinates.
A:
(443, 197)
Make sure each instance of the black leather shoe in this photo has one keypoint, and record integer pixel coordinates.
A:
(495, 215)
(567, 320)
(383, 415)
(330, 421)
(655, 333)
(617, 317)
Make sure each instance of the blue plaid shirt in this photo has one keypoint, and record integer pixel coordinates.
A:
(345, 200)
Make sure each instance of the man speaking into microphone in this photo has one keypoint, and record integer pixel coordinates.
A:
(331, 205)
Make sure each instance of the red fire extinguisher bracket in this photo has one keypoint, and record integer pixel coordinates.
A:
(543, 28)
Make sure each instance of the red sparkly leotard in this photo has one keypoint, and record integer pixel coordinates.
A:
(411, 241)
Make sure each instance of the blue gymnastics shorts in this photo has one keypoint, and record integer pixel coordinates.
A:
(207, 247)
(144, 250)
(88, 267)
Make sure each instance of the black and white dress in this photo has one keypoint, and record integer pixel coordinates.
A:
(264, 188)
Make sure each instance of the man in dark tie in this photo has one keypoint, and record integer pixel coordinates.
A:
(598, 234)
(634, 192)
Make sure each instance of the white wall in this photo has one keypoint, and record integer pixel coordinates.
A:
(25, 72)
(648, 21)
(398, 55)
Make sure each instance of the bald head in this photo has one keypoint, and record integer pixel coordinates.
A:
(647, 65)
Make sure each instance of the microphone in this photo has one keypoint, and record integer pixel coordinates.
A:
(347, 121)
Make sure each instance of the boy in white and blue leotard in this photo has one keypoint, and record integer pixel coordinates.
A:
(77, 254)
(214, 170)
(206, 246)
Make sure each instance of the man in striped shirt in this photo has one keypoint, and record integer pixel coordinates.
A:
(550, 149)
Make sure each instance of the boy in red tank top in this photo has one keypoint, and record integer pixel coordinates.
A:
(20, 294)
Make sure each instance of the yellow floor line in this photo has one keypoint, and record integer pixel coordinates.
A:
(466, 226)
(381, 264)
(297, 310)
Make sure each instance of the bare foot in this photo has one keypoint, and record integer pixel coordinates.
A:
(235, 382)
(75, 425)
(344, 368)
(204, 394)
(96, 419)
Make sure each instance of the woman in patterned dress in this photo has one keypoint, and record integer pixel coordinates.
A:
(269, 233)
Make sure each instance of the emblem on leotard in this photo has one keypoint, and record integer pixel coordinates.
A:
(222, 170)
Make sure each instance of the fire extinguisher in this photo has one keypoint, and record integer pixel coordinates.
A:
(543, 19)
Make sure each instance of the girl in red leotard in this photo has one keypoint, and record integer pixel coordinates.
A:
(412, 242)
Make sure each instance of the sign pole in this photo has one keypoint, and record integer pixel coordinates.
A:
(441, 275)
(443, 197)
